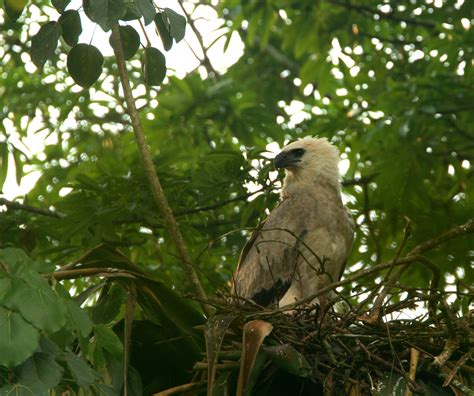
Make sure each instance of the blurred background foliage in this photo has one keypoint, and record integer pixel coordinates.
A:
(388, 82)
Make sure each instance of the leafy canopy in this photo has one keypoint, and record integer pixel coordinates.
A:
(389, 83)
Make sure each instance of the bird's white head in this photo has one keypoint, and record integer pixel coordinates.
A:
(309, 160)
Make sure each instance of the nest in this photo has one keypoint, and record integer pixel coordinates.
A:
(270, 351)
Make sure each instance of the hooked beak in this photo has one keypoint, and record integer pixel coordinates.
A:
(286, 159)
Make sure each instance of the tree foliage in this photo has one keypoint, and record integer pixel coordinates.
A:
(390, 83)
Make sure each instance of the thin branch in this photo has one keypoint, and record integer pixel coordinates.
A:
(454, 232)
(218, 205)
(64, 274)
(157, 189)
(358, 180)
(417, 251)
(382, 15)
(32, 209)
(186, 388)
(280, 57)
(206, 61)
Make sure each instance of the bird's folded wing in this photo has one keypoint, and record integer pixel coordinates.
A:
(268, 262)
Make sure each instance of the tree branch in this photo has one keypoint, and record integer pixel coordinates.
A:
(206, 62)
(382, 15)
(152, 176)
(32, 209)
(454, 232)
(417, 252)
(218, 204)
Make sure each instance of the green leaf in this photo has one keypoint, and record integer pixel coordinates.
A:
(289, 359)
(18, 339)
(44, 43)
(14, 8)
(108, 306)
(19, 263)
(80, 370)
(78, 318)
(135, 385)
(4, 154)
(41, 307)
(108, 340)
(70, 22)
(104, 390)
(18, 166)
(106, 13)
(131, 12)
(15, 259)
(176, 308)
(10, 291)
(162, 28)
(17, 390)
(130, 41)
(40, 373)
(177, 24)
(60, 5)
(146, 9)
(154, 66)
(84, 62)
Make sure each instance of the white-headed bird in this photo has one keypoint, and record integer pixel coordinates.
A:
(303, 244)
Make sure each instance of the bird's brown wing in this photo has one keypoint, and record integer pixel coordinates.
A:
(268, 261)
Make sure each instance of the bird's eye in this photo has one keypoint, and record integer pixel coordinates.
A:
(298, 152)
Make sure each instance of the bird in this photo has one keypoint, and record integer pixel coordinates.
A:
(304, 243)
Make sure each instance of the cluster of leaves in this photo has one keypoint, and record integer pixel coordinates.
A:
(85, 61)
(389, 84)
(49, 342)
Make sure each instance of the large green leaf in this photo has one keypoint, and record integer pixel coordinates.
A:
(60, 5)
(84, 62)
(37, 303)
(19, 263)
(163, 30)
(78, 318)
(108, 340)
(44, 43)
(105, 12)
(154, 66)
(109, 304)
(71, 26)
(11, 290)
(40, 373)
(18, 339)
(82, 373)
(130, 40)
(177, 24)
(146, 9)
